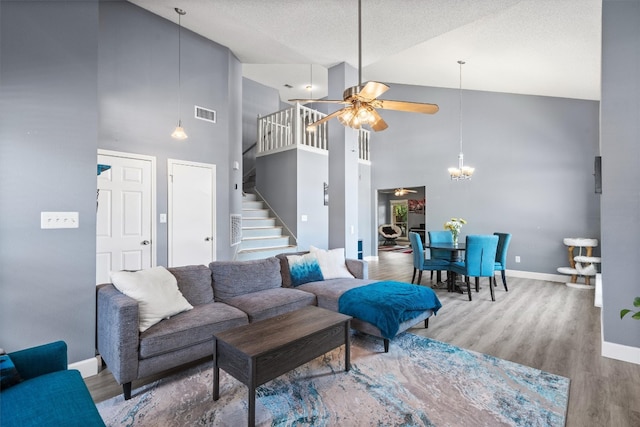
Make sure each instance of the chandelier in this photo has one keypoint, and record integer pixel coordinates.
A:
(461, 172)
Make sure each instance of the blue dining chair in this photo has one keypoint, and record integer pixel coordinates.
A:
(420, 263)
(501, 256)
(440, 237)
(480, 258)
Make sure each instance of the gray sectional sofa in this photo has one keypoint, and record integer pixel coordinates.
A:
(223, 295)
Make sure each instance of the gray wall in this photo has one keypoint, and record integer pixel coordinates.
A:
(292, 184)
(138, 93)
(313, 172)
(257, 100)
(365, 204)
(620, 145)
(534, 167)
(75, 77)
(48, 135)
(276, 180)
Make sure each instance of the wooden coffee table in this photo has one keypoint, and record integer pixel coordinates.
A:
(264, 350)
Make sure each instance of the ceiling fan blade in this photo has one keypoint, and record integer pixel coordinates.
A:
(326, 118)
(372, 90)
(378, 123)
(326, 101)
(411, 107)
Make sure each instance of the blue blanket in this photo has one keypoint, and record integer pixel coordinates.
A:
(387, 304)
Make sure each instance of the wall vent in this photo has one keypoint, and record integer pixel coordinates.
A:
(236, 229)
(205, 114)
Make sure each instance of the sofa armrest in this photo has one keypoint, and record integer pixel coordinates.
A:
(43, 359)
(117, 332)
(359, 268)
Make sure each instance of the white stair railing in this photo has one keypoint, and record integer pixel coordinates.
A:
(287, 129)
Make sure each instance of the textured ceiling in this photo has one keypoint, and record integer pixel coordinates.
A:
(535, 47)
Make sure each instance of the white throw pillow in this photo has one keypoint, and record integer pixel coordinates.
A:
(156, 291)
(332, 263)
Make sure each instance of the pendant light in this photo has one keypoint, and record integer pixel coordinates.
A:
(179, 132)
(462, 172)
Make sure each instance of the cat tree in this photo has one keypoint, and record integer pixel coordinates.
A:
(581, 265)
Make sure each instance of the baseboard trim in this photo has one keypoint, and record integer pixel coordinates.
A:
(537, 276)
(87, 368)
(621, 352)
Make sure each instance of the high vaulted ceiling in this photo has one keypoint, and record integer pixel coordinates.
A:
(535, 47)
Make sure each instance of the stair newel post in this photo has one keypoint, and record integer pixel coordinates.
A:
(296, 131)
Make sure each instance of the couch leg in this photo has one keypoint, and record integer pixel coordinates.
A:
(126, 389)
(386, 345)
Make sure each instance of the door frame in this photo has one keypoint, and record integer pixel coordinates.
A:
(214, 230)
(154, 225)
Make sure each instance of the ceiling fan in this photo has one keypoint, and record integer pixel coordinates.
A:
(362, 101)
(400, 191)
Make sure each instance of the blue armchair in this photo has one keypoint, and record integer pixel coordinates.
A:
(480, 258)
(501, 255)
(48, 394)
(420, 263)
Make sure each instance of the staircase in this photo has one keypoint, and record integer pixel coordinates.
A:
(261, 237)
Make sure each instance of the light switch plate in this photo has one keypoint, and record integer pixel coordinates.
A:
(59, 220)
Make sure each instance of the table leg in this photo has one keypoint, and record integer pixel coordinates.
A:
(347, 346)
(216, 371)
(251, 398)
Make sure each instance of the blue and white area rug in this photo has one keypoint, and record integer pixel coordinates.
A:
(420, 382)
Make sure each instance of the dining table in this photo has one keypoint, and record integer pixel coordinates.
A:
(455, 250)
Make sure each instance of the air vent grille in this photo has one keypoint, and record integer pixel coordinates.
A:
(236, 229)
(205, 114)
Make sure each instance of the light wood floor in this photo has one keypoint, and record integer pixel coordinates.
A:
(544, 325)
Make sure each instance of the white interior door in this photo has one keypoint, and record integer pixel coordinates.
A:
(192, 213)
(124, 223)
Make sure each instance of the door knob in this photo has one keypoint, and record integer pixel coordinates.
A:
(145, 242)
(208, 239)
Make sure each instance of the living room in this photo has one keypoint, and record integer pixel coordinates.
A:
(83, 76)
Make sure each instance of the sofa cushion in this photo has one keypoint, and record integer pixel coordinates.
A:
(194, 281)
(304, 269)
(332, 263)
(155, 290)
(328, 292)
(272, 302)
(234, 278)
(189, 328)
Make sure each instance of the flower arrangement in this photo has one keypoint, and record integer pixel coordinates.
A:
(454, 225)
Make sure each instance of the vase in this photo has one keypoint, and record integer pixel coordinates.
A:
(455, 240)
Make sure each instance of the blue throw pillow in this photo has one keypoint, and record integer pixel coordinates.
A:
(9, 375)
(304, 269)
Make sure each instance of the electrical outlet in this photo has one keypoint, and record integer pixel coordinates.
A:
(517, 258)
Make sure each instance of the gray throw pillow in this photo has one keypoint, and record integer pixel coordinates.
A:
(234, 278)
(194, 281)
